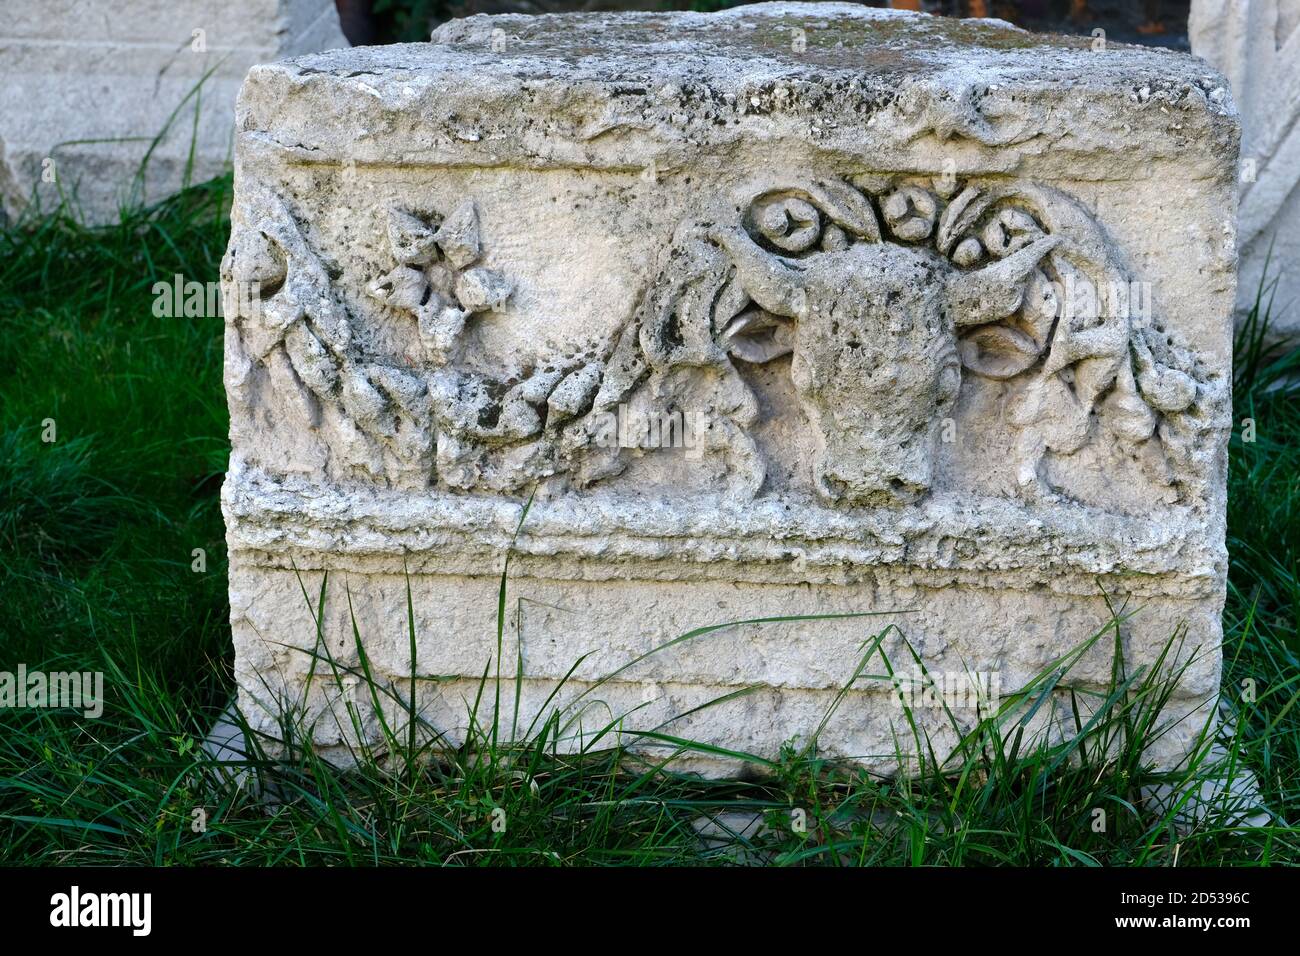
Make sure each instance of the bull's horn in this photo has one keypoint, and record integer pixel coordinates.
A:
(765, 278)
(996, 291)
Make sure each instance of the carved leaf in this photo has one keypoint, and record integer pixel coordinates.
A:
(411, 239)
(997, 351)
(402, 288)
(311, 360)
(574, 395)
(482, 290)
(847, 207)
(959, 216)
(458, 236)
(366, 404)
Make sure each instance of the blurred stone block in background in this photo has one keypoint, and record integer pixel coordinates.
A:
(1256, 43)
(87, 85)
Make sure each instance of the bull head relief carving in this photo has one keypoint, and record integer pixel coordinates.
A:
(874, 338)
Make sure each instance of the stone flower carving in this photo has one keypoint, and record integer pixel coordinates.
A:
(437, 278)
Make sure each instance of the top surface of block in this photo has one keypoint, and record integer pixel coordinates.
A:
(790, 38)
(828, 73)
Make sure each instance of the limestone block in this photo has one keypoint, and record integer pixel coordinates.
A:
(89, 84)
(1256, 43)
(875, 323)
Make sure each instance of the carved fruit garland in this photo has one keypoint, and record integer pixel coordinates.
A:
(300, 331)
(438, 281)
(1073, 356)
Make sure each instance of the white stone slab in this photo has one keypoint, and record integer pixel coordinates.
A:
(87, 85)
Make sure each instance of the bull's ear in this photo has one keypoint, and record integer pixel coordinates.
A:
(758, 336)
(997, 290)
(998, 351)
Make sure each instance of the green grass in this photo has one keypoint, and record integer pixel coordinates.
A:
(97, 531)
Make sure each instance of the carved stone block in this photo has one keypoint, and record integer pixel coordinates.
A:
(802, 311)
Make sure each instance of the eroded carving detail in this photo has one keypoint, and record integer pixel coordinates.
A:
(883, 291)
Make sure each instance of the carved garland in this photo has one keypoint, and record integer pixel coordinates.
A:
(1013, 248)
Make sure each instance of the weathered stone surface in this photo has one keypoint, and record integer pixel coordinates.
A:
(86, 86)
(857, 268)
(1256, 43)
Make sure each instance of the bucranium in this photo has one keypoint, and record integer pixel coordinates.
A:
(874, 342)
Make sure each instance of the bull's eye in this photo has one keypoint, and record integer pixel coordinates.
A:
(949, 383)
